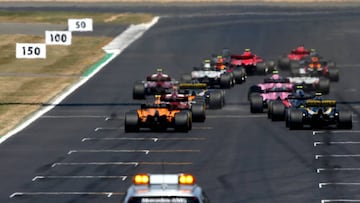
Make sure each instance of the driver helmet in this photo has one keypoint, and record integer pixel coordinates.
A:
(275, 75)
(247, 52)
(207, 64)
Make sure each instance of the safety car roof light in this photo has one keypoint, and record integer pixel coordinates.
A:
(186, 179)
(141, 179)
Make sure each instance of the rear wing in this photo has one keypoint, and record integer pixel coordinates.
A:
(320, 103)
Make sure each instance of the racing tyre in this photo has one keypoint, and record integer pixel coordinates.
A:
(198, 112)
(324, 86)
(278, 111)
(182, 122)
(186, 78)
(253, 90)
(295, 119)
(261, 69)
(345, 120)
(270, 65)
(139, 91)
(269, 112)
(225, 81)
(287, 117)
(256, 104)
(294, 68)
(216, 100)
(131, 122)
(284, 62)
(239, 74)
(333, 74)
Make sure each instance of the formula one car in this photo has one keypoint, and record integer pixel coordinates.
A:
(319, 114)
(158, 116)
(186, 101)
(157, 83)
(295, 55)
(213, 98)
(277, 110)
(260, 101)
(211, 76)
(252, 63)
(309, 84)
(222, 62)
(315, 66)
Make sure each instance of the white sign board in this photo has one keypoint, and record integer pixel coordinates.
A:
(30, 50)
(80, 25)
(58, 37)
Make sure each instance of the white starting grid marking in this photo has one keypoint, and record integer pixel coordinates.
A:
(108, 194)
(122, 128)
(340, 200)
(236, 116)
(135, 164)
(154, 139)
(335, 132)
(146, 151)
(123, 178)
(319, 170)
(322, 185)
(334, 143)
(74, 116)
(318, 156)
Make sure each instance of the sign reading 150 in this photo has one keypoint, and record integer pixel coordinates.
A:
(30, 50)
(80, 25)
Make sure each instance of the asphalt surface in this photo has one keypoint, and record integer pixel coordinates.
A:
(236, 156)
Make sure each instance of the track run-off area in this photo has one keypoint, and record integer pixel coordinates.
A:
(78, 151)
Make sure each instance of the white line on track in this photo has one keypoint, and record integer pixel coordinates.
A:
(107, 194)
(117, 163)
(122, 128)
(154, 139)
(318, 156)
(319, 170)
(79, 116)
(335, 132)
(322, 185)
(236, 116)
(146, 151)
(123, 178)
(339, 200)
(335, 143)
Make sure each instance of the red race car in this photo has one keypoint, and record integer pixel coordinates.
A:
(295, 55)
(252, 63)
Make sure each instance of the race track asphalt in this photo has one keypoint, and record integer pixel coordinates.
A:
(236, 156)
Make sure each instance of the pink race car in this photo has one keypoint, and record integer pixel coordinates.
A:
(274, 82)
(260, 101)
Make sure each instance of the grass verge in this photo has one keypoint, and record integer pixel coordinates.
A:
(28, 84)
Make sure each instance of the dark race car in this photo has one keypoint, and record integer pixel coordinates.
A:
(213, 98)
(318, 113)
(252, 63)
(154, 84)
(277, 110)
(315, 66)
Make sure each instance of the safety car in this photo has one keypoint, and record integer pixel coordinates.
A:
(165, 188)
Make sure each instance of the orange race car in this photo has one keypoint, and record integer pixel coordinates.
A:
(158, 117)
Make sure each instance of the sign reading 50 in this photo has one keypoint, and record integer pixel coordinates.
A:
(80, 25)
